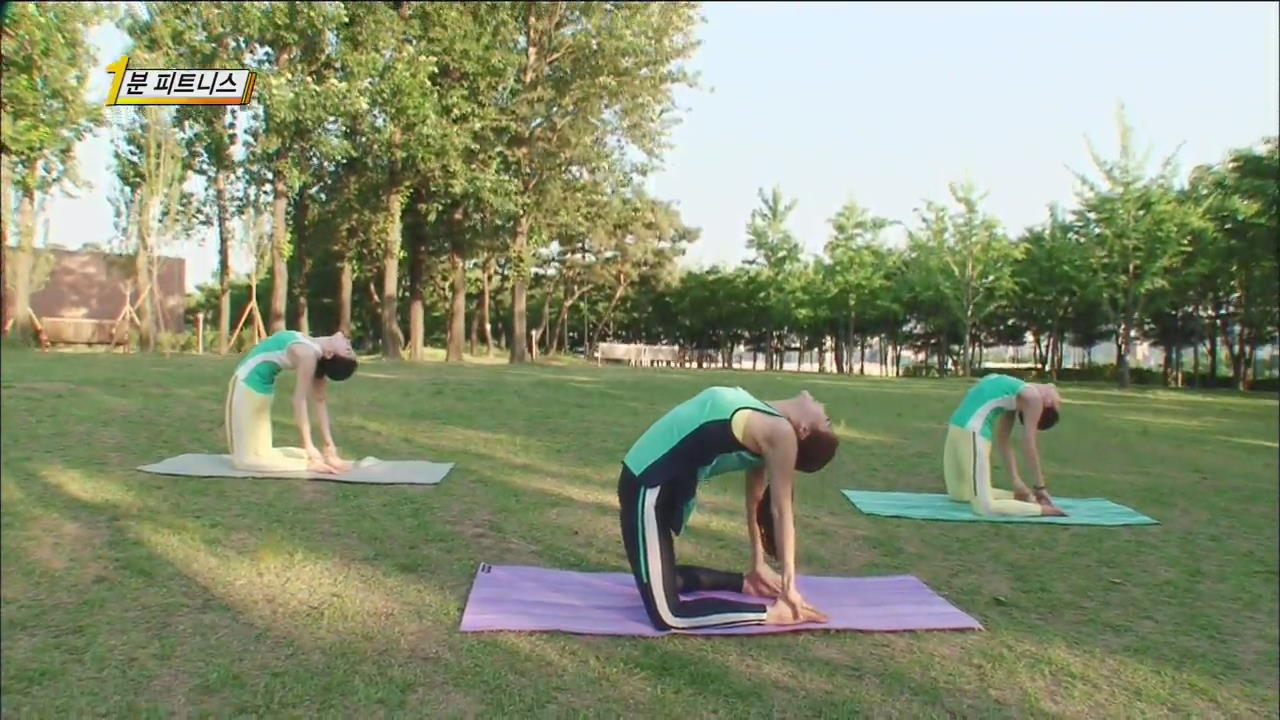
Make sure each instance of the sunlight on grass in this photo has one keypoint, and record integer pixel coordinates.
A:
(1074, 681)
(513, 451)
(310, 597)
(1164, 420)
(845, 432)
(380, 376)
(94, 490)
(879, 385)
(9, 490)
(132, 595)
(1247, 441)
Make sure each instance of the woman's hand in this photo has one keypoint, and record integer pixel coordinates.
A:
(792, 609)
(763, 581)
(334, 460)
(316, 462)
(1047, 507)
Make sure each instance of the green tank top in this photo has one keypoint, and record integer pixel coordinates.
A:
(261, 365)
(985, 402)
(694, 441)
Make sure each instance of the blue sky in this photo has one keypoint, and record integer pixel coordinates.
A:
(887, 103)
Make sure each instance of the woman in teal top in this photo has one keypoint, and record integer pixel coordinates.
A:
(252, 390)
(986, 412)
(721, 430)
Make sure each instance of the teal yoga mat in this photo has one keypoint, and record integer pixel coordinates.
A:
(936, 506)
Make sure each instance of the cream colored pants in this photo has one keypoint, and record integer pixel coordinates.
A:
(966, 467)
(248, 421)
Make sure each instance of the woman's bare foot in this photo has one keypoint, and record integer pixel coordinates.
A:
(1046, 504)
(321, 467)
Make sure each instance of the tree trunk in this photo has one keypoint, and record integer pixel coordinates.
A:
(1250, 368)
(225, 238)
(24, 262)
(279, 236)
(849, 344)
(417, 306)
(1235, 356)
(608, 314)
(562, 322)
(344, 296)
(1195, 365)
(839, 353)
(1122, 357)
(1213, 349)
(520, 293)
(554, 341)
(458, 309)
(1177, 364)
(475, 331)
(392, 337)
(156, 298)
(1166, 367)
(303, 252)
(545, 322)
(862, 355)
(1058, 356)
(142, 272)
(486, 280)
(6, 207)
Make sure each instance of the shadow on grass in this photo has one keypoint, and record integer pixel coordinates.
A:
(325, 610)
(144, 587)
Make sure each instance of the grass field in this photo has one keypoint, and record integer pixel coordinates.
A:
(127, 594)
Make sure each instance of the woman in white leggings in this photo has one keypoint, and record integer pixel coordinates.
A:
(252, 390)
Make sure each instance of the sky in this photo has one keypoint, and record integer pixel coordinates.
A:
(887, 103)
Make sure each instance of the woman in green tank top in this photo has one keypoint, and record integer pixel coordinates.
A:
(721, 430)
(986, 414)
(252, 389)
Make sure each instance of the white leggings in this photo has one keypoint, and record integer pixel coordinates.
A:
(248, 421)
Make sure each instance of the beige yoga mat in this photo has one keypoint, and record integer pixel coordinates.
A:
(369, 471)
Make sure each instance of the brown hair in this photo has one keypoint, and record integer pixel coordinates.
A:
(1048, 418)
(337, 368)
(764, 521)
(816, 450)
(812, 454)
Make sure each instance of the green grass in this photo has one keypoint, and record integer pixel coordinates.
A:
(134, 595)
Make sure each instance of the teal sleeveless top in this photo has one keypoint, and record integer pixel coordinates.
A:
(261, 365)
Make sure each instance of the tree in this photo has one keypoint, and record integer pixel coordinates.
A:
(856, 274)
(153, 205)
(1136, 230)
(977, 265)
(775, 260)
(594, 89)
(1052, 282)
(1240, 200)
(45, 71)
(643, 241)
(467, 183)
(291, 44)
(411, 65)
(201, 35)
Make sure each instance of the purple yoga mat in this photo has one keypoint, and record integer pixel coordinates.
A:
(531, 599)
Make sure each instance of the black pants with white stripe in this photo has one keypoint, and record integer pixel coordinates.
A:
(648, 516)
